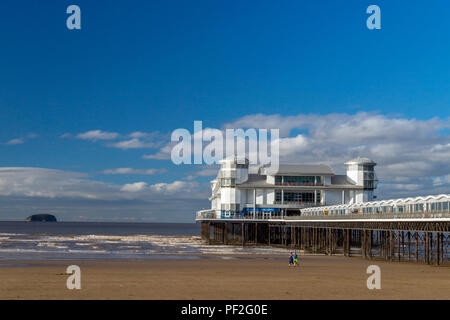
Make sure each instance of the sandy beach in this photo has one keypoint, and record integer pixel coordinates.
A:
(318, 277)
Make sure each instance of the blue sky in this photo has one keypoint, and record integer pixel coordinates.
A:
(154, 66)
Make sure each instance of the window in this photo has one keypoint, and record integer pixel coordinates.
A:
(228, 182)
(230, 207)
(278, 196)
(297, 197)
(278, 180)
(299, 180)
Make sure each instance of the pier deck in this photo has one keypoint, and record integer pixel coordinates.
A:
(390, 238)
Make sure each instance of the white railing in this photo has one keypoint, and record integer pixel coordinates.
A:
(406, 206)
(206, 214)
(419, 207)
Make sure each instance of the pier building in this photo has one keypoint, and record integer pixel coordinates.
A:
(288, 189)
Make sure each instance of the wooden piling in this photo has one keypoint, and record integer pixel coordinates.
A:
(423, 241)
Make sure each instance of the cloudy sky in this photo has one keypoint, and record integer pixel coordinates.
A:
(86, 116)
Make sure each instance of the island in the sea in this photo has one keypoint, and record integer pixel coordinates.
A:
(41, 218)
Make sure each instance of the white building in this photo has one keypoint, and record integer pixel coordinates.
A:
(236, 192)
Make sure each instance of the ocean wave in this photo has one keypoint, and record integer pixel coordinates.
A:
(21, 250)
(51, 245)
(237, 250)
(127, 246)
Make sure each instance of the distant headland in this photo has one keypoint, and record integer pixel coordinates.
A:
(41, 218)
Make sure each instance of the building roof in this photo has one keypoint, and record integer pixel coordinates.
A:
(340, 180)
(360, 160)
(256, 181)
(299, 170)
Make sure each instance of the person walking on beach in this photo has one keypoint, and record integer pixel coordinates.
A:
(295, 259)
(291, 260)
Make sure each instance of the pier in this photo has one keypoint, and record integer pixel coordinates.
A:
(398, 230)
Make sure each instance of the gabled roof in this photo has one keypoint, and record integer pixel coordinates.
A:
(340, 180)
(255, 181)
(299, 170)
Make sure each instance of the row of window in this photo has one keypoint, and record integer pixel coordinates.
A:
(418, 207)
(301, 180)
(230, 207)
(408, 208)
(297, 196)
(248, 215)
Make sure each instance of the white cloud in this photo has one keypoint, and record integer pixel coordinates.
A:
(39, 182)
(50, 183)
(444, 180)
(207, 172)
(72, 196)
(138, 134)
(163, 154)
(134, 143)
(15, 141)
(410, 153)
(133, 171)
(136, 139)
(21, 140)
(134, 187)
(32, 135)
(95, 135)
(289, 146)
(177, 186)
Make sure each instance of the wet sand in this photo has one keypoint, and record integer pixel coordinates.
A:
(317, 277)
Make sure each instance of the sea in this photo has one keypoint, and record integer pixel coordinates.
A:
(113, 241)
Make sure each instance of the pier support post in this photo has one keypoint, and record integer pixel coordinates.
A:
(430, 247)
(344, 242)
(349, 243)
(437, 249)
(363, 244)
(347, 240)
(409, 245)
(417, 246)
(225, 233)
(392, 246)
(403, 243)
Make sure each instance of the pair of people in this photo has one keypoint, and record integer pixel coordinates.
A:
(293, 259)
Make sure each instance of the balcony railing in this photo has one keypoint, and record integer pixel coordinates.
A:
(353, 216)
(206, 214)
(303, 204)
(357, 216)
(420, 207)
